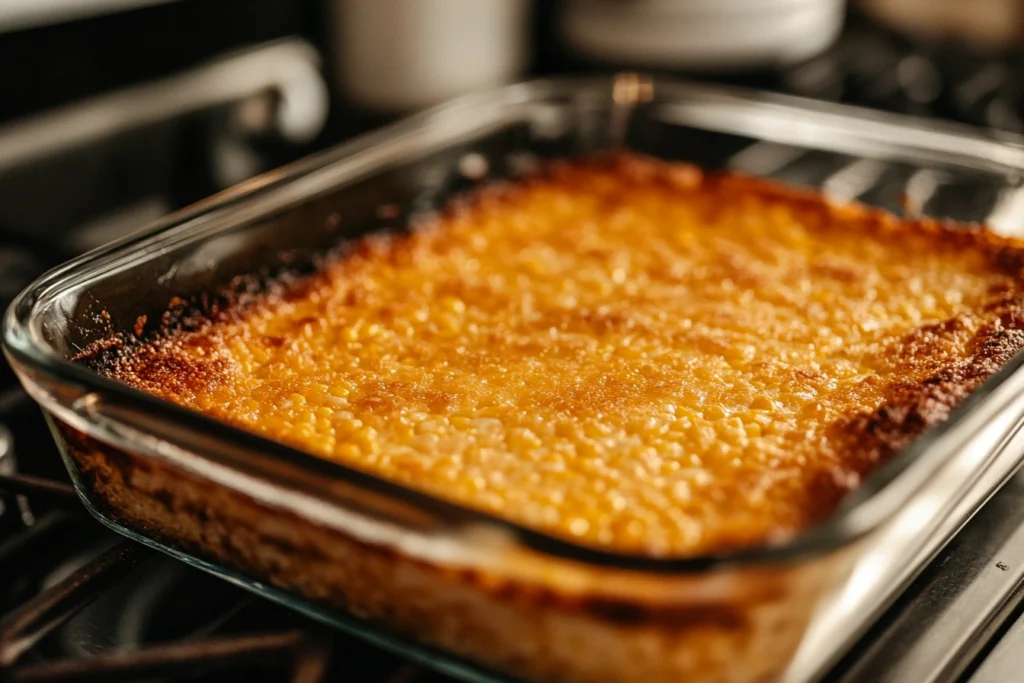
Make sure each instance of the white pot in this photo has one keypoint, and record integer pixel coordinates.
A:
(701, 34)
(406, 54)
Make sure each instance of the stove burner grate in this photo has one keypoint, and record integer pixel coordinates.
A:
(306, 651)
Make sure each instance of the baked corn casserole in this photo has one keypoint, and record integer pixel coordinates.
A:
(627, 353)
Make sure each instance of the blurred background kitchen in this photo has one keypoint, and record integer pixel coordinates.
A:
(114, 112)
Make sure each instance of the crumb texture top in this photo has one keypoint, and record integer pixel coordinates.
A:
(622, 352)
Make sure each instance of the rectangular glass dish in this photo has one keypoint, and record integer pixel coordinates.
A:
(471, 593)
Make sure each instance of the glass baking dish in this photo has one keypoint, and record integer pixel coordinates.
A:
(472, 594)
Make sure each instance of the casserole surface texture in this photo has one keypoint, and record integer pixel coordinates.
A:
(628, 353)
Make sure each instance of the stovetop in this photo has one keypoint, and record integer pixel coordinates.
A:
(78, 603)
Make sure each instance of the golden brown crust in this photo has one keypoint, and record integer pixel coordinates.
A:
(761, 349)
(910, 408)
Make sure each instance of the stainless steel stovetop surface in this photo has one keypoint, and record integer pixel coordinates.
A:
(959, 620)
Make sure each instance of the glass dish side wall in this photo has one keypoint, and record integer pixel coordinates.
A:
(111, 434)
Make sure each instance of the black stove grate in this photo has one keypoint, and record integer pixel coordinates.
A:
(303, 651)
(875, 67)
